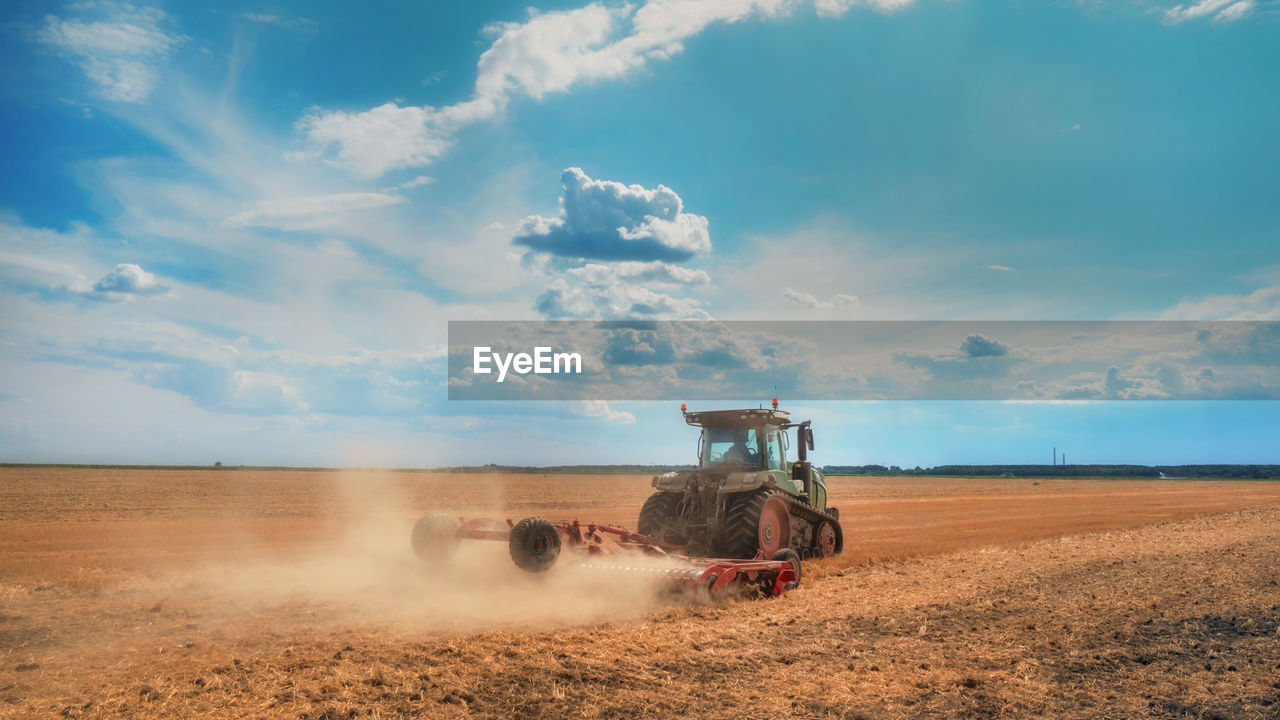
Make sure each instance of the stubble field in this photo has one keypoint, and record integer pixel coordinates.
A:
(283, 594)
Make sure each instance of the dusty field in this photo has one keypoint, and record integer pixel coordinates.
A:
(294, 595)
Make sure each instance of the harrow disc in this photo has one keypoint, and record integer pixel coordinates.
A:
(436, 536)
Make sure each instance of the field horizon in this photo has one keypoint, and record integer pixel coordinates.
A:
(1218, 471)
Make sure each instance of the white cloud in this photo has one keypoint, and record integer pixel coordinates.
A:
(620, 299)
(978, 345)
(119, 53)
(601, 409)
(1219, 10)
(124, 282)
(800, 297)
(1000, 268)
(129, 279)
(1235, 11)
(1261, 304)
(409, 184)
(548, 53)
(836, 8)
(658, 273)
(376, 141)
(284, 22)
(307, 213)
(613, 252)
(607, 220)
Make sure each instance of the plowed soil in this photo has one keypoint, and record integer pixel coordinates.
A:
(282, 594)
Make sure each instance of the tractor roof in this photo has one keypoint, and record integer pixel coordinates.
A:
(737, 418)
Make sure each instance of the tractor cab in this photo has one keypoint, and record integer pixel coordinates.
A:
(750, 448)
(756, 440)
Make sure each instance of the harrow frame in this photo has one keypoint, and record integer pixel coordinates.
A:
(591, 541)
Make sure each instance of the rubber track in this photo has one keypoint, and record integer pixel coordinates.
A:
(742, 520)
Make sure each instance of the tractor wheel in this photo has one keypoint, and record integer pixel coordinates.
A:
(534, 544)
(436, 536)
(757, 523)
(654, 515)
(792, 558)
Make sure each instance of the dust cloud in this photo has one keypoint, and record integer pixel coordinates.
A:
(364, 572)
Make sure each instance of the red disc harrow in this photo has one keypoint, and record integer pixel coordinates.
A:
(536, 544)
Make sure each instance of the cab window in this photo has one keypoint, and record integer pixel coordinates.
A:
(735, 447)
(773, 451)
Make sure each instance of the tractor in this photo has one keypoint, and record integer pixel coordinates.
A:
(744, 500)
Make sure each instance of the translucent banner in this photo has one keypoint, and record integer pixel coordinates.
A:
(864, 360)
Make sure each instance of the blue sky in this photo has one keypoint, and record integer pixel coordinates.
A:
(237, 232)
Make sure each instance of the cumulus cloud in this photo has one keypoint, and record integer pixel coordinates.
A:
(613, 251)
(118, 52)
(800, 297)
(1219, 10)
(566, 300)
(124, 282)
(601, 409)
(129, 279)
(657, 273)
(548, 53)
(376, 141)
(307, 213)
(1114, 384)
(976, 346)
(606, 220)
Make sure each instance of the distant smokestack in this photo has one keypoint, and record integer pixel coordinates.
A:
(1055, 457)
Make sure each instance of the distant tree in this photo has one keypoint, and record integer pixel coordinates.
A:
(218, 464)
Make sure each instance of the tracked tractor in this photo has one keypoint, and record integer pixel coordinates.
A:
(744, 499)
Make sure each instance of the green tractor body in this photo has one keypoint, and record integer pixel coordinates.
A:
(745, 499)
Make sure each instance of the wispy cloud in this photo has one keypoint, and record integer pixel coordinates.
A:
(1219, 10)
(119, 52)
(1000, 268)
(800, 297)
(307, 213)
(409, 184)
(300, 23)
(836, 8)
(1261, 304)
(549, 53)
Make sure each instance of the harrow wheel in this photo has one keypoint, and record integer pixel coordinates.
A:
(792, 558)
(756, 522)
(436, 536)
(534, 544)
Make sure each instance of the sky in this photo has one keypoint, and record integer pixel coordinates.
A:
(237, 232)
